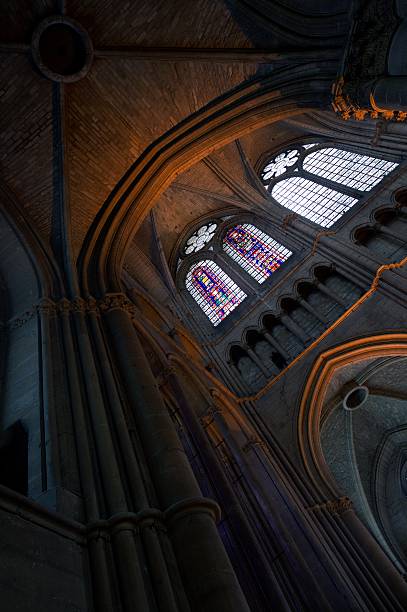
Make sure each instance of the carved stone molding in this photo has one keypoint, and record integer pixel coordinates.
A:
(21, 320)
(165, 375)
(252, 442)
(116, 301)
(210, 415)
(47, 307)
(365, 62)
(334, 506)
(64, 306)
(289, 219)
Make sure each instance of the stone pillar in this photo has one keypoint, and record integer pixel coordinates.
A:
(256, 359)
(305, 555)
(275, 344)
(187, 404)
(209, 579)
(314, 311)
(112, 499)
(334, 296)
(371, 575)
(390, 233)
(295, 329)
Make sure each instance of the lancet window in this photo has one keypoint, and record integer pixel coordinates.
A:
(254, 250)
(321, 183)
(222, 262)
(213, 290)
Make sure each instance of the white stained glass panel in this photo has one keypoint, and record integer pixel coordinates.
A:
(311, 200)
(213, 290)
(254, 250)
(347, 168)
(279, 164)
(201, 237)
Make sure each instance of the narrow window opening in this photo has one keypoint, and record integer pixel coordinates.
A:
(14, 458)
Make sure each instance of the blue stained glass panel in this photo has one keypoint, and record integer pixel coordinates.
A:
(213, 290)
(254, 250)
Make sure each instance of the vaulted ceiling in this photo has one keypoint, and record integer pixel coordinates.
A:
(65, 146)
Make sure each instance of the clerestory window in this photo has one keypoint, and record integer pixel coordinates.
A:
(255, 251)
(322, 183)
(213, 290)
(228, 246)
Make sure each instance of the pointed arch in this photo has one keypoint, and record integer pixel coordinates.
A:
(213, 290)
(321, 183)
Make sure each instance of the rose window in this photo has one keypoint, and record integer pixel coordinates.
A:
(279, 164)
(201, 237)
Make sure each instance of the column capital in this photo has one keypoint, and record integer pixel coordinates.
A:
(165, 374)
(116, 301)
(340, 505)
(252, 442)
(46, 307)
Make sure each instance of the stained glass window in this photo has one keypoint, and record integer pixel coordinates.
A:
(254, 250)
(347, 168)
(312, 200)
(319, 203)
(279, 164)
(213, 290)
(201, 237)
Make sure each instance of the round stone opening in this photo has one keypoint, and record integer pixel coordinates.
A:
(355, 398)
(62, 49)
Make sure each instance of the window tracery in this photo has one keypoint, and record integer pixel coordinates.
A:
(213, 290)
(201, 237)
(321, 183)
(280, 164)
(229, 246)
(254, 251)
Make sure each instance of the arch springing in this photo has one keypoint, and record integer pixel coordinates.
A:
(254, 251)
(213, 290)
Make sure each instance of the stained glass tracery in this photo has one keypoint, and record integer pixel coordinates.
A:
(213, 290)
(279, 164)
(201, 237)
(254, 250)
(315, 201)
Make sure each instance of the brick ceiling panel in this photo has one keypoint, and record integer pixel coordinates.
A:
(26, 138)
(117, 111)
(175, 210)
(159, 23)
(18, 18)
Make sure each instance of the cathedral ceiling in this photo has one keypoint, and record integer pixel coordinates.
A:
(213, 184)
(124, 103)
(66, 145)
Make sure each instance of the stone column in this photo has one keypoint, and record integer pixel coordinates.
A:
(314, 311)
(208, 576)
(302, 551)
(295, 329)
(257, 361)
(276, 345)
(113, 499)
(330, 293)
(187, 404)
(371, 575)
